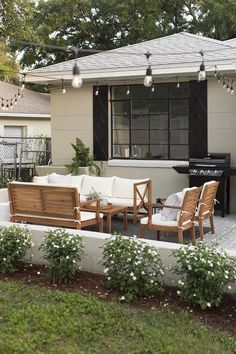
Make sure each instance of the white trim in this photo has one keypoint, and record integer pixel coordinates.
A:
(146, 163)
(26, 115)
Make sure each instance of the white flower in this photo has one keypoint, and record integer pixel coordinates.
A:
(38, 273)
(112, 262)
(106, 270)
(226, 276)
(189, 267)
(4, 259)
(67, 257)
(131, 274)
(134, 277)
(143, 273)
(229, 287)
(178, 292)
(122, 298)
(74, 261)
(108, 278)
(208, 304)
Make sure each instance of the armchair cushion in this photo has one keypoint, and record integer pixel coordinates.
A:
(40, 179)
(123, 187)
(76, 181)
(102, 185)
(158, 220)
(121, 201)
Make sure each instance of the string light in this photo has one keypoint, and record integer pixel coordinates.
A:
(202, 72)
(148, 78)
(97, 91)
(232, 87)
(128, 91)
(178, 83)
(153, 88)
(63, 87)
(227, 86)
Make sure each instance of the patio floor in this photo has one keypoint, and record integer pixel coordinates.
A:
(225, 234)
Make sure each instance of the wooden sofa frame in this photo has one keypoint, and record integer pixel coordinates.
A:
(51, 205)
(142, 200)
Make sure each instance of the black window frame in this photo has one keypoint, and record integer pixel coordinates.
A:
(131, 100)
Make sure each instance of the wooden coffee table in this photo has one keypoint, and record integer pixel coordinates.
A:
(110, 211)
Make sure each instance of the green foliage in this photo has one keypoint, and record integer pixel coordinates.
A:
(132, 266)
(37, 320)
(82, 158)
(4, 182)
(62, 251)
(14, 242)
(206, 272)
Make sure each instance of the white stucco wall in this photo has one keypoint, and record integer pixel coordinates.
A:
(72, 116)
(33, 126)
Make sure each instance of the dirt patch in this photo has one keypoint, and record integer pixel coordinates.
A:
(222, 317)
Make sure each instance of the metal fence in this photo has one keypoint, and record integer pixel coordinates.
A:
(20, 156)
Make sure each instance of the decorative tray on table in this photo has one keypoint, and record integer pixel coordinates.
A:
(102, 207)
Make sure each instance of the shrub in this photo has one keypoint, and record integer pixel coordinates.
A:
(206, 272)
(132, 266)
(14, 242)
(62, 251)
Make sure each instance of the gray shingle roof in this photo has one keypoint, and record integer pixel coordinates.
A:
(231, 42)
(31, 103)
(181, 48)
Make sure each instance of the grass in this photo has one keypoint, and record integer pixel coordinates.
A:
(36, 320)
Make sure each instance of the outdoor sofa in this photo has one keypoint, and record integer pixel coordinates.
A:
(51, 205)
(135, 194)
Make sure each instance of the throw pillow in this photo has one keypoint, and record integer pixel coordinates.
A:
(40, 179)
(59, 179)
(174, 199)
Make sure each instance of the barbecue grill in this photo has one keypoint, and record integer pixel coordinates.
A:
(212, 166)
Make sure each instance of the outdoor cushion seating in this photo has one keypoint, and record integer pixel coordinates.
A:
(135, 194)
(206, 205)
(53, 205)
(4, 205)
(184, 220)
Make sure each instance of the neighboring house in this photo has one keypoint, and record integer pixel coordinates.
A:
(138, 132)
(29, 117)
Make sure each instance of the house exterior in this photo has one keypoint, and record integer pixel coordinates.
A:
(29, 117)
(139, 132)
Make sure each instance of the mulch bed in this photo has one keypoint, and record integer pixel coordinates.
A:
(222, 317)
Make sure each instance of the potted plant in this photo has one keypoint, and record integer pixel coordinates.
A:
(82, 162)
(93, 194)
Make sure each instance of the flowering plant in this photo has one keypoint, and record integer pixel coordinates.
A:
(207, 272)
(14, 242)
(132, 266)
(62, 251)
(92, 194)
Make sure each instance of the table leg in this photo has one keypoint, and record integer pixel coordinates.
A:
(125, 219)
(109, 216)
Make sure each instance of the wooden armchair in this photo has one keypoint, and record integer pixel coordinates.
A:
(185, 219)
(206, 205)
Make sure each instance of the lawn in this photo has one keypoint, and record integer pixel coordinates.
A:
(37, 320)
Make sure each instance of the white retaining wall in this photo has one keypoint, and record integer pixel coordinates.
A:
(94, 241)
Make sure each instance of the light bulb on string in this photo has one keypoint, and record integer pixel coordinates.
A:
(153, 87)
(218, 79)
(7, 106)
(63, 87)
(178, 83)
(3, 106)
(23, 82)
(96, 93)
(148, 78)
(224, 83)
(202, 72)
(128, 91)
(77, 80)
(11, 104)
(15, 101)
(232, 87)
(216, 71)
(19, 94)
(228, 87)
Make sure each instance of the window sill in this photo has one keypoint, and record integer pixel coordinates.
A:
(146, 163)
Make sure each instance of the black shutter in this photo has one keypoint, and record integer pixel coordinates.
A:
(100, 124)
(198, 118)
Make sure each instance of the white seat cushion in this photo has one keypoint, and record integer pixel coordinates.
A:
(4, 195)
(157, 220)
(76, 181)
(86, 215)
(127, 202)
(102, 185)
(40, 179)
(55, 178)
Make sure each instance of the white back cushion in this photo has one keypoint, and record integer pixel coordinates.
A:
(102, 185)
(124, 187)
(76, 181)
(4, 195)
(175, 199)
(59, 179)
(40, 179)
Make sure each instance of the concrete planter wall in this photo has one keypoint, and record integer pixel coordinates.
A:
(94, 241)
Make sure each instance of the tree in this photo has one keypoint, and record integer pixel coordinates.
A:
(8, 66)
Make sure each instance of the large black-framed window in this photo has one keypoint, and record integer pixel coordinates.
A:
(149, 124)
